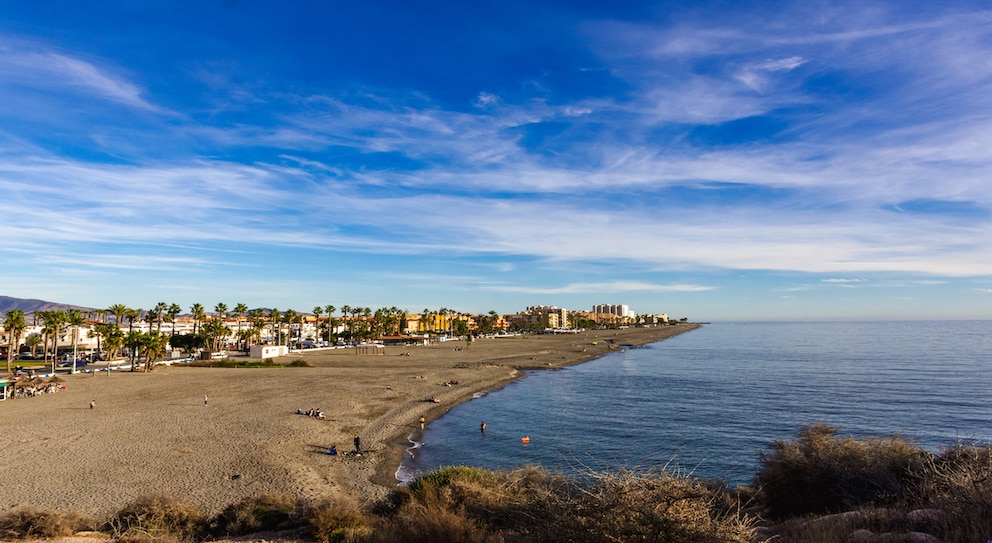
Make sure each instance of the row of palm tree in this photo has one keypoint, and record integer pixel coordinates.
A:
(359, 323)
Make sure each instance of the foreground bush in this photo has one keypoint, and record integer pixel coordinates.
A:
(821, 473)
(157, 518)
(35, 523)
(529, 504)
(954, 491)
(259, 514)
(826, 488)
(339, 521)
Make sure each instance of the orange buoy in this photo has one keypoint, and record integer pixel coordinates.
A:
(525, 440)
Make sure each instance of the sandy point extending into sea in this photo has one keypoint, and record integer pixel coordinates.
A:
(154, 433)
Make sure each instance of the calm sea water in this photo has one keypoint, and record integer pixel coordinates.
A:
(709, 401)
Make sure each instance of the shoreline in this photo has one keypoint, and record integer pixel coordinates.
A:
(151, 433)
(385, 473)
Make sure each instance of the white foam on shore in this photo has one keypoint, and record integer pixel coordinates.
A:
(406, 474)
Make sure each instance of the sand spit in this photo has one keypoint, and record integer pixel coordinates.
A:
(153, 433)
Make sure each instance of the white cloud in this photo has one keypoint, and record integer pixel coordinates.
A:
(606, 287)
(45, 71)
(785, 64)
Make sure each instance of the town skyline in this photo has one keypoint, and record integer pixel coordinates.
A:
(740, 161)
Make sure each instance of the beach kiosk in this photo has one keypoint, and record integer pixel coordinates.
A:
(370, 348)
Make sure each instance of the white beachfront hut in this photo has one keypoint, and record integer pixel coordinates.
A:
(269, 351)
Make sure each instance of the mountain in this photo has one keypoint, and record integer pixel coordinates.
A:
(29, 306)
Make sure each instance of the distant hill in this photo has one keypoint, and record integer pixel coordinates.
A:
(28, 306)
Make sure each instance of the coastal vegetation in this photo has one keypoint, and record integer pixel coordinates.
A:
(817, 487)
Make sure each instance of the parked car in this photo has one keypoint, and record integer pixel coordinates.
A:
(68, 363)
(27, 356)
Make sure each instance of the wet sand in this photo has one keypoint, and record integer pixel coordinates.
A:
(152, 432)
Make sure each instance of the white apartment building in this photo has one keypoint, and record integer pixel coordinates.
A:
(618, 310)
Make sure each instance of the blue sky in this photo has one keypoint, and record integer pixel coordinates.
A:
(722, 160)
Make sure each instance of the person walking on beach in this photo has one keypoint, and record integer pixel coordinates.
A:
(358, 445)
(205, 398)
(92, 404)
(423, 421)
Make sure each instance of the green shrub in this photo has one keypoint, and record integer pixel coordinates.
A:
(446, 476)
(157, 518)
(262, 513)
(35, 523)
(299, 363)
(821, 473)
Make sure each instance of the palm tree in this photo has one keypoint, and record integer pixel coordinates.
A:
(330, 319)
(275, 316)
(14, 325)
(400, 318)
(316, 323)
(131, 316)
(424, 319)
(33, 341)
(118, 311)
(256, 318)
(75, 319)
(159, 312)
(345, 311)
(213, 332)
(154, 346)
(133, 341)
(221, 310)
(173, 312)
(240, 311)
(113, 341)
(291, 317)
(53, 321)
(198, 315)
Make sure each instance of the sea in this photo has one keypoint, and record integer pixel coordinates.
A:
(708, 402)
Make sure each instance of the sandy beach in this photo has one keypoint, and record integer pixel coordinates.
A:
(154, 433)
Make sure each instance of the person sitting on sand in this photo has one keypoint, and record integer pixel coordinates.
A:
(333, 451)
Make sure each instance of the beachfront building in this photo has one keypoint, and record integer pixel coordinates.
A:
(62, 340)
(613, 314)
(653, 318)
(541, 317)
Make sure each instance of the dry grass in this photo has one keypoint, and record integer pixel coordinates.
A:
(36, 523)
(339, 521)
(157, 518)
(263, 513)
(822, 488)
(820, 473)
(530, 504)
